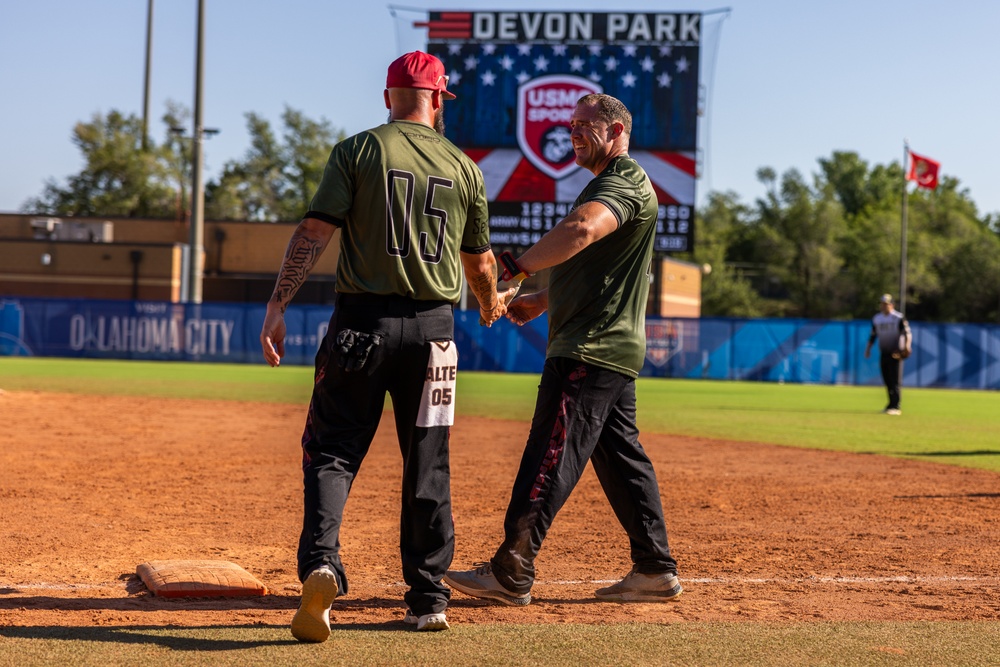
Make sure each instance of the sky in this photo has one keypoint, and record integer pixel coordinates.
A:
(788, 81)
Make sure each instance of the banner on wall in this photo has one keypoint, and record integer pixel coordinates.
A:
(518, 76)
(959, 356)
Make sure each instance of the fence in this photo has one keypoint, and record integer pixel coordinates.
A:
(965, 356)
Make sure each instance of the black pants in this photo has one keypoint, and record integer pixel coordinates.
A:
(344, 414)
(583, 412)
(892, 376)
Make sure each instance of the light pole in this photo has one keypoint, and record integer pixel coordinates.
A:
(179, 132)
(196, 246)
(902, 235)
(145, 95)
(182, 173)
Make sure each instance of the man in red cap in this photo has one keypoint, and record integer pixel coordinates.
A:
(421, 71)
(411, 210)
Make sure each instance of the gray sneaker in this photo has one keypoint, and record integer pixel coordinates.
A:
(482, 583)
(637, 587)
(311, 622)
(427, 622)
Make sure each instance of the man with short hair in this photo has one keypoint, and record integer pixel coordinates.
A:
(892, 331)
(600, 255)
(411, 209)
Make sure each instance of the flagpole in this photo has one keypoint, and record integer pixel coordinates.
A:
(902, 240)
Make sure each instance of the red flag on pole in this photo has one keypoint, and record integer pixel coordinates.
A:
(924, 171)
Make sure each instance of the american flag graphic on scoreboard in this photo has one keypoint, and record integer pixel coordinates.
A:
(518, 75)
(448, 25)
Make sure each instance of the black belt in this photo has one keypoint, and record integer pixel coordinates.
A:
(394, 302)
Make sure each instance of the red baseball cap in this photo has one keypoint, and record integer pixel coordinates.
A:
(418, 70)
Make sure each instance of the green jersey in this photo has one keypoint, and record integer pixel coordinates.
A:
(406, 201)
(597, 298)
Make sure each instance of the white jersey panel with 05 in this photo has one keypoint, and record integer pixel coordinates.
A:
(437, 402)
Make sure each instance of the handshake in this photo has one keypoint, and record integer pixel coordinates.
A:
(508, 285)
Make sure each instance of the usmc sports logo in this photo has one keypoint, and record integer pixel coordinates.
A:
(544, 108)
(664, 339)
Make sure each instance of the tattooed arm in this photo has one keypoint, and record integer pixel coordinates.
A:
(480, 271)
(308, 242)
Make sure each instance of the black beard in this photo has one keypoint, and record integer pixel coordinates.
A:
(439, 121)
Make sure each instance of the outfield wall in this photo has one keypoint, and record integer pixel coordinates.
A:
(961, 356)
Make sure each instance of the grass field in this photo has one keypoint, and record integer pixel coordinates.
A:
(954, 427)
(756, 644)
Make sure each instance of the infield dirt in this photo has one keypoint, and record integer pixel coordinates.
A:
(92, 486)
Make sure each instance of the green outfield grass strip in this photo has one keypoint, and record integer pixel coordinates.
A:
(956, 644)
(238, 382)
(946, 426)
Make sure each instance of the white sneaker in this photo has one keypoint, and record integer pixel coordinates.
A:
(637, 587)
(427, 622)
(482, 583)
(312, 621)
(893, 411)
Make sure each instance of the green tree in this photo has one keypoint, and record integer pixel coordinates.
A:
(860, 190)
(834, 268)
(953, 267)
(118, 177)
(277, 178)
(870, 246)
(177, 157)
(725, 291)
(992, 222)
(307, 147)
(870, 251)
(274, 181)
(797, 233)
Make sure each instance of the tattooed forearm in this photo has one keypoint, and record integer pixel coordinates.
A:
(484, 286)
(300, 258)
